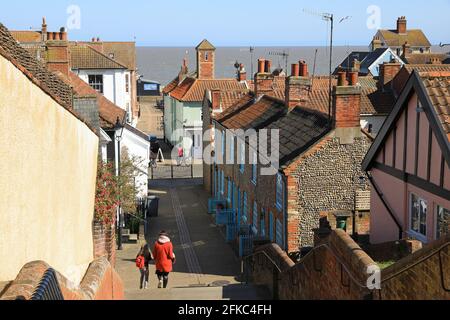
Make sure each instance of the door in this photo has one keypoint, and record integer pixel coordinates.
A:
(197, 145)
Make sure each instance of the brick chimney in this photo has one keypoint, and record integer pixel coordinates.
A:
(388, 71)
(347, 107)
(58, 57)
(97, 44)
(297, 85)
(376, 43)
(264, 78)
(401, 25)
(406, 50)
(44, 30)
(242, 74)
(215, 100)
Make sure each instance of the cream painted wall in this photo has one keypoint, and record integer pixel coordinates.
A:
(48, 164)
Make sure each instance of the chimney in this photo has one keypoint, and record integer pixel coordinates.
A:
(406, 50)
(58, 56)
(435, 60)
(356, 66)
(263, 79)
(388, 71)
(44, 30)
(401, 25)
(347, 108)
(297, 85)
(97, 44)
(376, 43)
(215, 100)
(242, 73)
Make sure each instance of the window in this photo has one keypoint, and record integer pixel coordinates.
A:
(370, 129)
(443, 222)
(206, 56)
(245, 208)
(280, 192)
(255, 168)
(418, 212)
(230, 190)
(127, 83)
(223, 143)
(96, 82)
(255, 217)
(222, 183)
(280, 233)
(231, 152)
(242, 157)
(263, 223)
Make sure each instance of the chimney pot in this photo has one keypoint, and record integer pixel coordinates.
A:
(268, 66)
(353, 78)
(261, 65)
(93, 40)
(295, 70)
(303, 68)
(341, 78)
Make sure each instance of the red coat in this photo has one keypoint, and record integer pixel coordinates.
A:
(164, 256)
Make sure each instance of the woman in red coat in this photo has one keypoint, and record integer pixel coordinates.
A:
(164, 258)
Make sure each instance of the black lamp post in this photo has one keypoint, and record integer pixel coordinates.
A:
(119, 135)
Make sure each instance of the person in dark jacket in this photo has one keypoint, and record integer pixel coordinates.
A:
(145, 273)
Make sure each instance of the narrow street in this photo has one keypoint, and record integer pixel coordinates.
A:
(206, 267)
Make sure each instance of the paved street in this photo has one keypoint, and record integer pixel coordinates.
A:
(205, 263)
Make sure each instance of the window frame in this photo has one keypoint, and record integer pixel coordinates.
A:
(96, 84)
(437, 231)
(279, 192)
(254, 178)
(418, 234)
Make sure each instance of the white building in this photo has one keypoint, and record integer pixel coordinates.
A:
(105, 75)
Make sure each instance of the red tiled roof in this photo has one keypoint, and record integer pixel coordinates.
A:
(193, 90)
(85, 57)
(438, 89)
(27, 36)
(108, 111)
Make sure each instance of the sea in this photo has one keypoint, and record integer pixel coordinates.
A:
(162, 64)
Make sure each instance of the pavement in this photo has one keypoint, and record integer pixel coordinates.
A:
(206, 268)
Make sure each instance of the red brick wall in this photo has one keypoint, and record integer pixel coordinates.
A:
(347, 109)
(206, 69)
(104, 242)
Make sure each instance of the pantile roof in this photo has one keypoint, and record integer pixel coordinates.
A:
(85, 57)
(425, 58)
(52, 83)
(438, 89)
(108, 111)
(205, 45)
(414, 37)
(193, 90)
(27, 36)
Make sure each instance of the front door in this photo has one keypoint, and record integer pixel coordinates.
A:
(197, 144)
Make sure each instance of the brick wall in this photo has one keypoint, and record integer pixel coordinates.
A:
(423, 275)
(337, 270)
(101, 282)
(104, 242)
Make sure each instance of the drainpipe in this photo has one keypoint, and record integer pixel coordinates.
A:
(386, 205)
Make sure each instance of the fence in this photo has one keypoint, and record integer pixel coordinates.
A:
(163, 172)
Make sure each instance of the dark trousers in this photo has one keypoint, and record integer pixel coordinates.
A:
(164, 276)
(145, 275)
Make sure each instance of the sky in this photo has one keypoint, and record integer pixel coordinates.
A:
(228, 23)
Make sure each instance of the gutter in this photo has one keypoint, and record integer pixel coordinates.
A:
(386, 205)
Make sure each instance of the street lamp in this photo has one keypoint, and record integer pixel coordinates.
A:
(119, 135)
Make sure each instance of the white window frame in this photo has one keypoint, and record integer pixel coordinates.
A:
(416, 234)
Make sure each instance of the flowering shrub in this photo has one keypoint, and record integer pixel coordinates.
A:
(106, 195)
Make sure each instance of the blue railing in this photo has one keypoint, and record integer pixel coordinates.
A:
(48, 289)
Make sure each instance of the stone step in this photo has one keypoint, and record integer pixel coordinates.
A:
(232, 293)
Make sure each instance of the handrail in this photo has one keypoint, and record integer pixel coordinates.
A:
(267, 256)
(424, 258)
(142, 219)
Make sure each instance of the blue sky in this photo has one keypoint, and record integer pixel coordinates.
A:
(227, 23)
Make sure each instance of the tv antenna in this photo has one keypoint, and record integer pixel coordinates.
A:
(328, 17)
(285, 55)
(314, 71)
